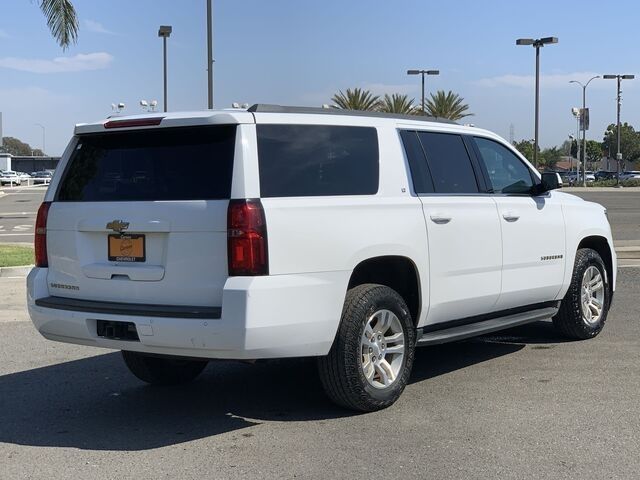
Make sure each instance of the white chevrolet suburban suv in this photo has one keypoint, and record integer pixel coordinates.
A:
(293, 232)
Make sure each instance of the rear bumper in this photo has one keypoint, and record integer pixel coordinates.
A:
(261, 317)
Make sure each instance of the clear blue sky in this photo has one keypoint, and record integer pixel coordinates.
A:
(301, 52)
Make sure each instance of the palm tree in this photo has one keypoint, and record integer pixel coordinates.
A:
(61, 20)
(447, 105)
(356, 99)
(397, 103)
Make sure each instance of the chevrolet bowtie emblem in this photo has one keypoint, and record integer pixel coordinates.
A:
(118, 226)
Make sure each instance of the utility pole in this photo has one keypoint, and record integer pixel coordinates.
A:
(165, 32)
(619, 78)
(210, 54)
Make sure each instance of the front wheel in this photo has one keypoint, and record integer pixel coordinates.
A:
(584, 308)
(158, 370)
(370, 361)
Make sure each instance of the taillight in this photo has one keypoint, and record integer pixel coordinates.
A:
(40, 241)
(247, 238)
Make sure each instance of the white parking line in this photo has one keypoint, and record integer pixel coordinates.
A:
(25, 234)
(16, 213)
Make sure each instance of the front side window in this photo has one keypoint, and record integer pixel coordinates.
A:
(449, 163)
(317, 160)
(507, 173)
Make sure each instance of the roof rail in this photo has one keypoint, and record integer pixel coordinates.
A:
(267, 108)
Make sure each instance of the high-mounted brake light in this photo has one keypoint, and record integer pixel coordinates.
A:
(138, 122)
(40, 239)
(247, 238)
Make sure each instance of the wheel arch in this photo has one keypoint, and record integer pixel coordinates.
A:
(601, 245)
(394, 271)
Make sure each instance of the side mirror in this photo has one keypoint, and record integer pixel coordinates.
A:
(550, 181)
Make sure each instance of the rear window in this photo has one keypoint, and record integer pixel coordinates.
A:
(317, 160)
(187, 163)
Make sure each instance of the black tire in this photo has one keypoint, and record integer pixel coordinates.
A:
(158, 370)
(341, 371)
(570, 320)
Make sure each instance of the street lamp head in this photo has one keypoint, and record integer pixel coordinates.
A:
(547, 40)
(628, 77)
(524, 41)
(164, 31)
(433, 72)
(413, 72)
(609, 77)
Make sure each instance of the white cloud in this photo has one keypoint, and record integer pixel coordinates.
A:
(382, 88)
(77, 63)
(558, 80)
(96, 27)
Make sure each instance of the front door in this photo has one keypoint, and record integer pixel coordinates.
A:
(533, 230)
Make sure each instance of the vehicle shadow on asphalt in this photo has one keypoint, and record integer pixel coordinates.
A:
(96, 404)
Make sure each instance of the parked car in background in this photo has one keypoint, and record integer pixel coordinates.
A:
(605, 175)
(10, 178)
(630, 175)
(576, 179)
(41, 177)
(23, 175)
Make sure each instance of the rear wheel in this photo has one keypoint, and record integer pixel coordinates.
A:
(584, 308)
(158, 370)
(370, 361)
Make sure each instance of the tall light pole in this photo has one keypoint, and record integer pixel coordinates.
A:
(209, 55)
(537, 43)
(584, 116)
(423, 73)
(576, 113)
(619, 101)
(43, 137)
(165, 32)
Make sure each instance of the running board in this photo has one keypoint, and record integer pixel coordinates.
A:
(487, 326)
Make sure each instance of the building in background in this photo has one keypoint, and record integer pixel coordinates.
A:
(27, 164)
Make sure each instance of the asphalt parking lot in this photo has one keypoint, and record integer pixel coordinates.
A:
(520, 404)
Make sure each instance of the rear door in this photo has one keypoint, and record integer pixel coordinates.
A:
(140, 216)
(463, 231)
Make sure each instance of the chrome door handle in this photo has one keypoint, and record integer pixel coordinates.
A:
(510, 216)
(440, 219)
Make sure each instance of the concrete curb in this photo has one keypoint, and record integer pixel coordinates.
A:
(628, 252)
(21, 271)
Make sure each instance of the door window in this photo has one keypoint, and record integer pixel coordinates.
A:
(449, 163)
(507, 173)
(417, 162)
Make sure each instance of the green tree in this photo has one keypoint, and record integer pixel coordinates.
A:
(594, 153)
(525, 147)
(61, 20)
(549, 157)
(447, 105)
(397, 103)
(629, 142)
(16, 147)
(356, 99)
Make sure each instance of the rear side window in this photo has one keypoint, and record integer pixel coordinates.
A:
(187, 163)
(449, 163)
(420, 175)
(317, 160)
